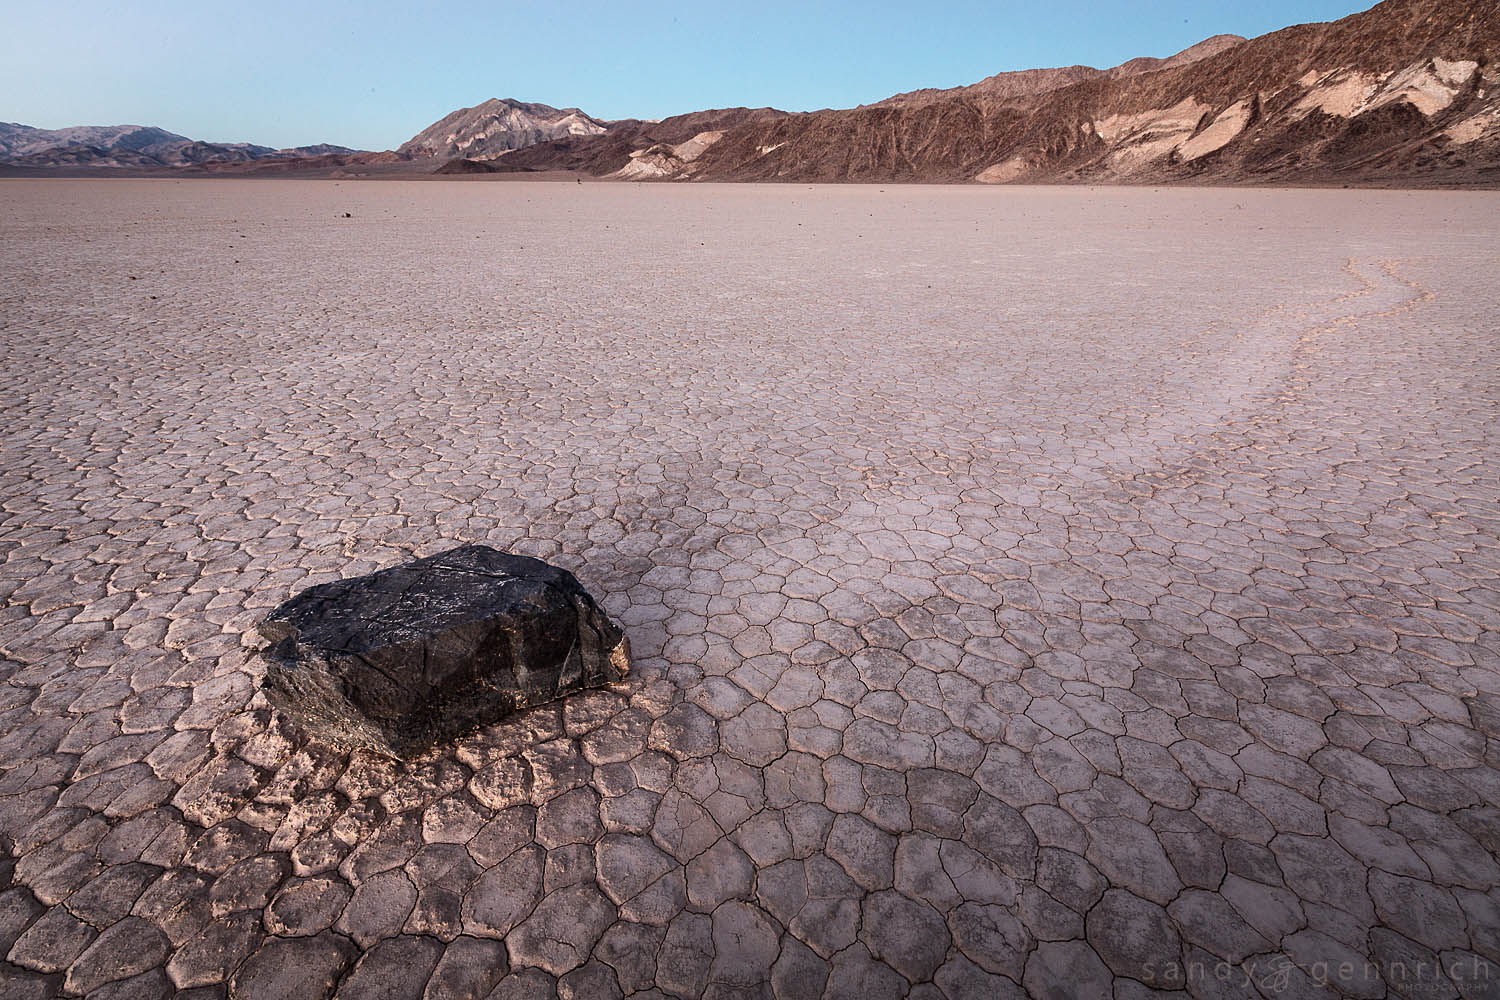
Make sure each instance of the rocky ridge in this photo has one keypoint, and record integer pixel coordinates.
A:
(1019, 83)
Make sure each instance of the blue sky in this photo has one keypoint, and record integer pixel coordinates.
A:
(370, 75)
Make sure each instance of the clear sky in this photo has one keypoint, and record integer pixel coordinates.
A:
(370, 75)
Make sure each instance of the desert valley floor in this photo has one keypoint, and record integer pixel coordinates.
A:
(1065, 592)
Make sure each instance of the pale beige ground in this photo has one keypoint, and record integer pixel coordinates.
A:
(1066, 591)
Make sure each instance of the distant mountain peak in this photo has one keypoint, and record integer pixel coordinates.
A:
(497, 126)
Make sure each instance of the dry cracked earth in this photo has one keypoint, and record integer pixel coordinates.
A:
(1063, 593)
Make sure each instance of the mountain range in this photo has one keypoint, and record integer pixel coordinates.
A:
(141, 146)
(1406, 92)
(1019, 83)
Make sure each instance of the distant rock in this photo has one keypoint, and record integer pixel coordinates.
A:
(426, 651)
(664, 160)
(464, 165)
(499, 126)
(319, 149)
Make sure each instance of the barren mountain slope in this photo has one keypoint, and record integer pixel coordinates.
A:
(1408, 89)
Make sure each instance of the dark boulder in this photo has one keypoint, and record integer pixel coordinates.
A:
(423, 652)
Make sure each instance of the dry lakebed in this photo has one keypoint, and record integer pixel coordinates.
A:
(1061, 592)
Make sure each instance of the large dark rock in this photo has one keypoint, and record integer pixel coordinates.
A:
(420, 653)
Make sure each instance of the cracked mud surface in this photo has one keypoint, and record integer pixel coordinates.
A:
(1064, 592)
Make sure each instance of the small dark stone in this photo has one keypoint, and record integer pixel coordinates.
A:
(421, 653)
